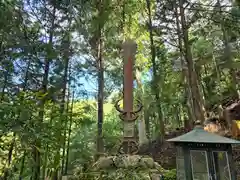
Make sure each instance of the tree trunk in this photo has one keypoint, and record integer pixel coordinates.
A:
(11, 148)
(201, 87)
(45, 163)
(100, 149)
(4, 85)
(147, 123)
(8, 163)
(61, 140)
(69, 136)
(229, 59)
(228, 54)
(22, 166)
(65, 135)
(38, 124)
(198, 107)
(155, 87)
(185, 76)
(141, 121)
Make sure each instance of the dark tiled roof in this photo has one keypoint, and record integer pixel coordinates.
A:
(198, 135)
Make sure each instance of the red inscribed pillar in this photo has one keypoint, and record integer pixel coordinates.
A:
(129, 51)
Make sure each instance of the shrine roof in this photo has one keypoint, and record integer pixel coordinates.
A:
(199, 135)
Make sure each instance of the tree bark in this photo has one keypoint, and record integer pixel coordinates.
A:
(198, 107)
(22, 166)
(141, 121)
(100, 149)
(69, 136)
(185, 77)
(155, 86)
(65, 136)
(4, 85)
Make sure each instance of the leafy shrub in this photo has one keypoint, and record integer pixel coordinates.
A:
(170, 175)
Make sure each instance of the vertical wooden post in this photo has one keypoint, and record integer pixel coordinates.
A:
(128, 115)
(129, 51)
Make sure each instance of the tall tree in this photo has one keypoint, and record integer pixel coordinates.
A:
(100, 67)
(44, 90)
(156, 75)
(198, 107)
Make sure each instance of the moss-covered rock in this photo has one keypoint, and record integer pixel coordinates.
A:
(124, 167)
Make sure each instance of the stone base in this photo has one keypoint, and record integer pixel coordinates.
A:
(125, 167)
(126, 162)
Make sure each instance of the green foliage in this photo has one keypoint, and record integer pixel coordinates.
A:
(170, 175)
(131, 174)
